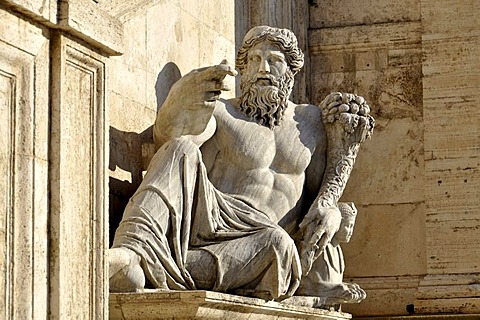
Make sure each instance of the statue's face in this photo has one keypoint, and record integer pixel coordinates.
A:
(346, 230)
(265, 60)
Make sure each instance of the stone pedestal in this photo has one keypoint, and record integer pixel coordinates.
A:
(207, 305)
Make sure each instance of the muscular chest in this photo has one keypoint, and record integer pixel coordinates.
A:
(254, 146)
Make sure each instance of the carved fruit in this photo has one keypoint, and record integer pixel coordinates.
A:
(343, 108)
(359, 100)
(333, 110)
(354, 108)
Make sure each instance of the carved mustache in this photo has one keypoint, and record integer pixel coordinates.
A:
(269, 77)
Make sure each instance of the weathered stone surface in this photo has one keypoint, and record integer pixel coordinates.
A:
(24, 80)
(384, 62)
(37, 9)
(425, 97)
(402, 226)
(86, 20)
(451, 97)
(340, 13)
(206, 305)
(77, 158)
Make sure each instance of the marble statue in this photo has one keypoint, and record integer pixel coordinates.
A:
(242, 195)
(325, 279)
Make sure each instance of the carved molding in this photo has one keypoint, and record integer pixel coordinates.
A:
(41, 10)
(95, 69)
(85, 19)
(7, 151)
(22, 227)
(78, 204)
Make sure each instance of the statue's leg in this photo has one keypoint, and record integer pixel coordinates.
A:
(202, 267)
(258, 265)
(125, 272)
(146, 227)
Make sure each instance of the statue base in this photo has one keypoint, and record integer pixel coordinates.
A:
(160, 304)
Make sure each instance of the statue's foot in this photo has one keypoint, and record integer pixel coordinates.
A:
(345, 293)
(327, 295)
(125, 272)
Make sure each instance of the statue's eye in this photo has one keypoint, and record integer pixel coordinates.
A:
(254, 58)
(276, 59)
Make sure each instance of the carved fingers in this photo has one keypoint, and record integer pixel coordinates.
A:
(218, 72)
(326, 229)
(212, 90)
(317, 233)
(296, 275)
(203, 87)
(213, 80)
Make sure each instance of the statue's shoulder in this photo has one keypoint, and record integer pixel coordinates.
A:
(306, 107)
(226, 108)
(308, 112)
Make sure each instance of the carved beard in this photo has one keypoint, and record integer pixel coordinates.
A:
(266, 103)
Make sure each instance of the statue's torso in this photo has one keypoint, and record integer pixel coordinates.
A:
(264, 167)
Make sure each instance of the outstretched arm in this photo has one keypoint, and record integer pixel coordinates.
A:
(347, 124)
(189, 106)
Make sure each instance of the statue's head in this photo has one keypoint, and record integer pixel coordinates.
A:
(349, 213)
(268, 60)
(284, 39)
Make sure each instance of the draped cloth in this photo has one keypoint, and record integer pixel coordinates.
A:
(177, 209)
(328, 267)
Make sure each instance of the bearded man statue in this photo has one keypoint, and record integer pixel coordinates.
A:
(242, 194)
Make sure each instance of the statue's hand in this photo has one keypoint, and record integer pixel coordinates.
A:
(351, 113)
(318, 228)
(201, 88)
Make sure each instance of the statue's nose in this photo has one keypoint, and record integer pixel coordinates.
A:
(264, 66)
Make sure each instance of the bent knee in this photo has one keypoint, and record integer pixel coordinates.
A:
(280, 239)
(181, 145)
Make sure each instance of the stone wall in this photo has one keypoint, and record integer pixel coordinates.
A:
(53, 155)
(451, 95)
(416, 181)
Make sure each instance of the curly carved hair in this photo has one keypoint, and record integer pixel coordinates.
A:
(348, 210)
(283, 38)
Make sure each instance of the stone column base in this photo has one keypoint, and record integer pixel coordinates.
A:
(156, 304)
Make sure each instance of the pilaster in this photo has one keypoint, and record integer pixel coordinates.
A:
(78, 205)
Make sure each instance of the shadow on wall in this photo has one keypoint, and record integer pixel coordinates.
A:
(166, 79)
(126, 152)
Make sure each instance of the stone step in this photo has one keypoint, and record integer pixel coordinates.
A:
(157, 304)
(425, 317)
